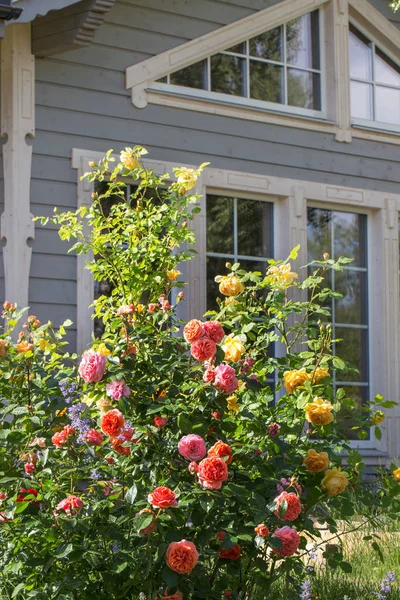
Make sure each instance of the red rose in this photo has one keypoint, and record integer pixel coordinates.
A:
(160, 421)
(112, 422)
(232, 553)
(162, 497)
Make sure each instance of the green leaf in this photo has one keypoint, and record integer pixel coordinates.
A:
(64, 550)
(184, 424)
(378, 433)
(170, 577)
(294, 253)
(346, 567)
(131, 494)
(282, 509)
(378, 550)
(18, 589)
(338, 363)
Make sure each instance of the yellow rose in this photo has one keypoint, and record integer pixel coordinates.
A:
(233, 403)
(319, 412)
(102, 349)
(140, 308)
(233, 348)
(319, 373)
(229, 285)
(335, 481)
(396, 474)
(316, 461)
(378, 417)
(43, 344)
(173, 274)
(187, 178)
(293, 379)
(281, 276)
(128, 159)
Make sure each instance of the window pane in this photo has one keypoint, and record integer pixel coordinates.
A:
(194, 76)
(385, 70)
(318, 233)
(361, 100)
(359, 395)
(266, 82)
(215, 266)
(254, 228)
(302, 44)
(268, 45)
(228, 74)
(387, 108)
(303, 89)
(350, 237)
(238, 49)
(220, 224)
(360, 56)
(352, 307)
(353, 350)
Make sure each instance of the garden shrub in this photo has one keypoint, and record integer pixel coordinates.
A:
(164, 463)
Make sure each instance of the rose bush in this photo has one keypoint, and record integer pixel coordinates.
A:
(162, 463)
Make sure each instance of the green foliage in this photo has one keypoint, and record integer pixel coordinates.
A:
(110, 543)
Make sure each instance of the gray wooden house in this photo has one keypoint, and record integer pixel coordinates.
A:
(296, 105)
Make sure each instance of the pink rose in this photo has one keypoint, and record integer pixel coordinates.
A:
(126, 309)
(193, 467)
(117, 389)
(92, 367)
(225, 379)
(273, 429)
(290, 541)
(203, 349)
(192, 447)
(209, 375)
(29, 468)
(214, 331)
(94, 437)
(71, 505)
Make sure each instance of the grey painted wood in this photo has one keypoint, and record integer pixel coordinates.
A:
(81, 102)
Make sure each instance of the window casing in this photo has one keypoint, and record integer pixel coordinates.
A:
(345, 234)
(374, 83)
(279, 69)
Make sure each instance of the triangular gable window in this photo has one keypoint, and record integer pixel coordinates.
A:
(281, 66)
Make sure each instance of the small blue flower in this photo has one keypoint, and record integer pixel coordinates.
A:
(306, 590)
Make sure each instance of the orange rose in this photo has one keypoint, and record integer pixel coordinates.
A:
(193, 330)
(262, 530)
(293, 379)
(221, 449)
(162, 497)
(181, 556)
(316, 461)
(117, 444)
(24, 347)
(319, 412)
(112, 423)
(212, 472)
(3, 348)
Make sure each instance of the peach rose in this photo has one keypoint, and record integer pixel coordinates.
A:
(162, 497)
(212, 472)
(71, 505)
(293, 506)
(181, 557)
(193, 330)
(221, 449)
(214, 331)
(173, 274)
(290, 541)
(112, 422)
(94, 437)
(294, 379)
(335, 481)
(316, 461)
(24, 346)
(319, 412)
(229, 285)
(203, 349)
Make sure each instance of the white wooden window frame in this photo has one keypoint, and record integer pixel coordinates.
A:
(334, 117)
(291, 198)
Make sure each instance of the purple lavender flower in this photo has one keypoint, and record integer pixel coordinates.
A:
(95, 474)
(386, 586)
(115, 548)
(79, 424)
(306, 590)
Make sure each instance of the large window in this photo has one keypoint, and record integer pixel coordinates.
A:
(281, 66)
(375, 82)
(345, 234)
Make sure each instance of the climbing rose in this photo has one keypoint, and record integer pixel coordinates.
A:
(209, 375)
(160, 421)
(316, 461)
(21, 497)
(193, 467)
(294, 379)
(60, 437)
(203, 349)
(192, 447)
(293, 506)
(181, 556)
(319, 412)
(212, 472)
(112, 422)
(94, 437)
(126, 309)
(92, 367)
(162, 497)
(396, 474)
(335, 481)
(221, 449)
(225, 379)
(233, 348)
(262, 530)
(214, 331)
(117, 389)
(71, 505)
(281, 276)
(290, 541)
(118, 446)
(229, 285)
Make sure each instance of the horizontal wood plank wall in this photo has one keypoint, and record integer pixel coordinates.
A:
(81, 102)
